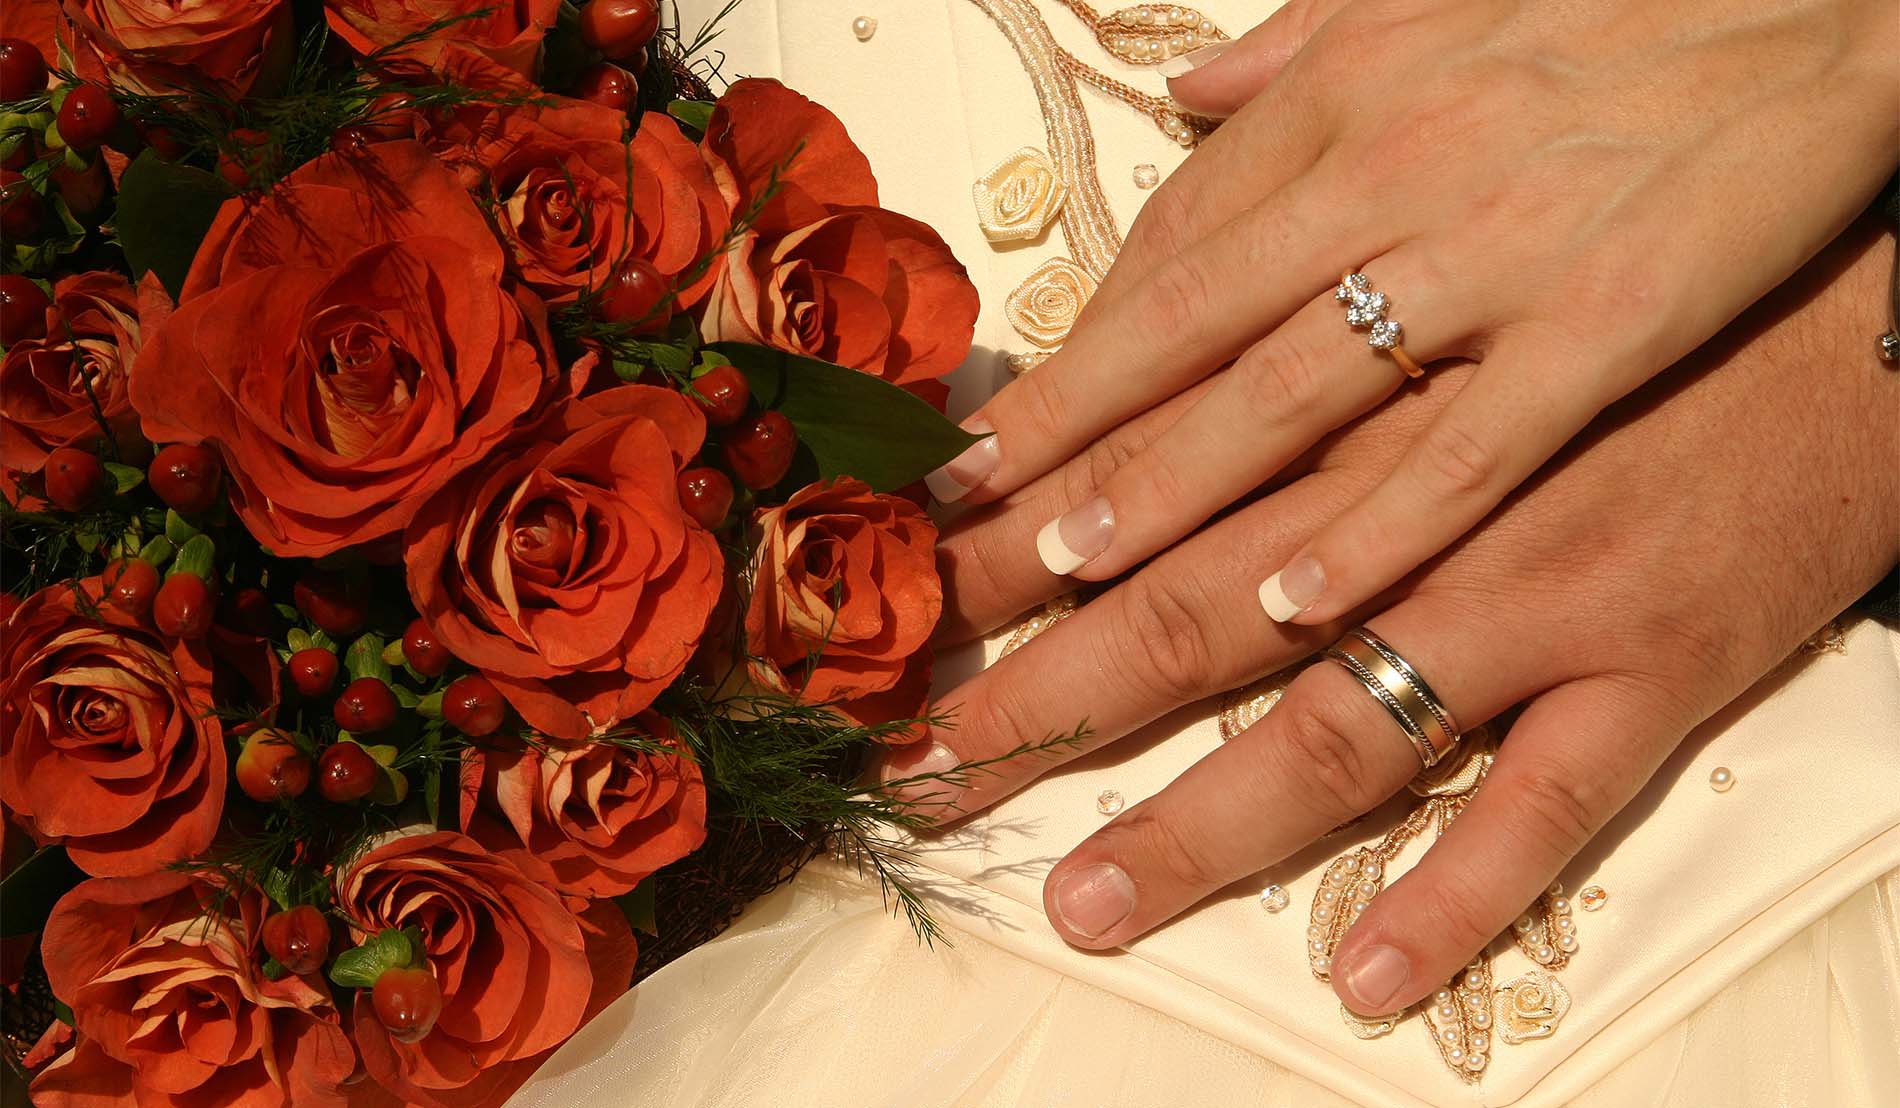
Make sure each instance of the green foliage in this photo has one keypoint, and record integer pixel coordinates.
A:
(164, 211)
(360, 966)
(696, 114)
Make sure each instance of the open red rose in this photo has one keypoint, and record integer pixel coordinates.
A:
(347, 347)
(824, 271)
(107, 740)
(49, 386)
(499, 49)
(37, 21)
(565, 569)
(172, 1010)
(845, 595)
(230, 47)
(602, 816)
(519, 972)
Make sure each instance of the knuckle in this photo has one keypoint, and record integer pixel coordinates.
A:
(1154, 841)
(1103, 458)
(1177, 297)
(1281, 382)
(1163, 636)
(1455, 462)
(1560, 811)
(1453, 911)
(1165, 221)
(1040, 405)
(1325, 758)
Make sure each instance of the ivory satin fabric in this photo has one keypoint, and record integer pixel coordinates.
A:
(1747, 954)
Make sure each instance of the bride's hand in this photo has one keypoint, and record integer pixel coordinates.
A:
(1648, 579)
(1574, 195)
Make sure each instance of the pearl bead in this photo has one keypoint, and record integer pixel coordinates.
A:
(1442, 996)
(1322, 966)
(1449, 1034)
(1317, 946)
(1480, 1041)
(864, 27)
(1315, 931)
(1358, 906)
(1455, 1056)
(1350, 865)
(1373, 870)
(1323, 914)
(1367, 890)
(1524, 925)
(1329, 895)
(1208, 29)
(1567, 943)
(1560, 906)
(1544, 954)
(1721, 779)
(1480, 1019)
(1474, 979)
(1556, 889)
(1474, 1061)
(1192, 40)
(1447, 1012)
(1566, 924)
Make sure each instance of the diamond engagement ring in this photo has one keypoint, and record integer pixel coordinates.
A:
(1366, 309)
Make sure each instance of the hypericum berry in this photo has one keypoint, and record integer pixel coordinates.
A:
(23, 307)
(22, 69)
(185, 476)
(249, 611)
(351, 140)
(336, 602)
(246, 158)
(183, 607)
(272, 767)
(635, 293)
(723, 393)
(607, 85)
(473, 705)
(88, 117)
(706, 494)
(313, 671)
(408, 1001)
(423, 651)
(620, 28)
(366, 705)
(131, 586)
(22, 211)
(75, 479)
(299, 939)
(346, 773)
(760, 450)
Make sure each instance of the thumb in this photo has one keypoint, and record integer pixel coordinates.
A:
(1218, 80)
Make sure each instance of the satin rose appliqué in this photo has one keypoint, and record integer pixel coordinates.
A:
(1530, 1007)
(1043, 308)
(1018, 199)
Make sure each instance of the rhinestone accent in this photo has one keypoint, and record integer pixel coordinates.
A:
(1146, 176)
(1109, 802)
(1353, 285)
(1275, 899)
(1593, 897)
(1385, 334)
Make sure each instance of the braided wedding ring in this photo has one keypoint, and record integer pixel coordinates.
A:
(1365, 308)
(1392, 681)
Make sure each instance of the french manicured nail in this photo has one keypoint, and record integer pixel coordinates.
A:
(1192, 60)
(1095, 898)
(914, 761)
(1292, 590)
(955, 478)
(1374, 977)
(1069, 542)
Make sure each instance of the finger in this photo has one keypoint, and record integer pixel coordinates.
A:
(1308, 377)
(1571, 762)
(1326, 753)
(1217, 79)
(1493, 435)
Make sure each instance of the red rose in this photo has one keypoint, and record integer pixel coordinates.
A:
(500, 49)
(565, 569)
(347, 347)
(228, 47)
(49, 386)
(107, 738)
(824, 271)
(519, 972)
(845, 595)
(471, 137)
(171, 1009)
(601, 815)
(37, 21)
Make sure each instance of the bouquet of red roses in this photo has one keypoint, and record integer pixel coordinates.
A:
(450, 463)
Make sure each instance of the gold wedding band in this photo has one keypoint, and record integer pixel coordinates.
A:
(1365, 308)
(1427, 723)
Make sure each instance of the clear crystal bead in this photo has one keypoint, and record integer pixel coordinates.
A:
(1275, 899)
(1109, 802)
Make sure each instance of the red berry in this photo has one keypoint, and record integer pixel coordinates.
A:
(23, 307)
(635, 293)
(22, 211)
(163, 143)
(408, 1001)
(22, 69)
(313, 671)
(249, 611)
(723, 392)
(619, 28)
(366, 705)
(245, 159)
(336, 602)
(84, 190)
(347, 773)
(183, 607)
(87, 117)
(75, 479)
(706, 494)
(272, 767)
(609, 86)
(299, 939)
(760, 450)
(185, 476)
(131, 586)
(472, 705)
(423, 651)
(25, 153)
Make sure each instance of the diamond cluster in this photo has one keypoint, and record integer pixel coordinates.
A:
(1366, 309)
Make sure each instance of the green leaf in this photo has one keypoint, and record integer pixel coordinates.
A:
(158, 551)
(640, 907)
(164, 211)
(62, 1012)
(299, 639)
(197, 557)
(365, 658)
(430, 707)
(177, 528)
(855, 424)
(360, 966)
(277, 887)
(696, 114)
(432, 793)
(643, 355)
(28, 894)
(392, 654)
(275, 970)
(124, 478)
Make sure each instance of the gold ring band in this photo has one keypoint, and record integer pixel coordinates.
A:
(1427, 723)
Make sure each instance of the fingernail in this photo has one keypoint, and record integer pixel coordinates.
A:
(1095, 898)
(914, 761)
(1374, 976)
(1071, 541)
(955, 478)
(1192, 60)
(1292, 590)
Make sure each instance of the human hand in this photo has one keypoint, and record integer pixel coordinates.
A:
(1574, 195)
(1668, 562)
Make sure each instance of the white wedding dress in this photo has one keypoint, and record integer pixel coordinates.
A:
(1746, 953)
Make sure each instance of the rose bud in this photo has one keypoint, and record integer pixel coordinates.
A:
(760, 452)
(313, 671)
(620, 28)
(706, 494)
(408, 1001)
(472, 705)
(336, 602)
(272, 767)
(23, 307)
(22, 69)
(299, 939)
(723, 393)
(75, 479)
(131, 586)
(423, 652)
(366, 705)
(185, 476)
(87, 117)
(347, 773)
(183, 607)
